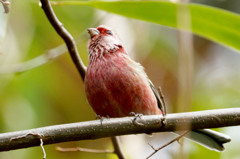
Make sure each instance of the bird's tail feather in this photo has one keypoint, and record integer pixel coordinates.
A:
(208, 138)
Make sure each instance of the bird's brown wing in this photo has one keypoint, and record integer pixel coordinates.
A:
(160, 100)
(138, 69)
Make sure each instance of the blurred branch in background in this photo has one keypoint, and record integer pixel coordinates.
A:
(185, 59)
(40, 60)
(80, 149)
(35, 62)
(119, 126)
(185, 63)
(5, 4)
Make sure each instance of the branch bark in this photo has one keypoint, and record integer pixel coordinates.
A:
(119, 126)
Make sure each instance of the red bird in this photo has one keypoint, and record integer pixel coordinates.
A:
(116, 85)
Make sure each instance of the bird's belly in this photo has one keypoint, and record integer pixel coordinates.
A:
(116, 90)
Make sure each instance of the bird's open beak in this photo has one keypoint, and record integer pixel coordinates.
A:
(92, 32)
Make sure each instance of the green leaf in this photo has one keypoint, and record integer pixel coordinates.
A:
(212, 23)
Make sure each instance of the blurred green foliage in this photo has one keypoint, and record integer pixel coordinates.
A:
(54, 92)
(212, 23)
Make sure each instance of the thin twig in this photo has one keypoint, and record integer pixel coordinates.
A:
(119, 126)
(28, 134)
(176, 139)
(43, 150)
(60, 149)
(152, 146)
(66, 36)
(117, 148)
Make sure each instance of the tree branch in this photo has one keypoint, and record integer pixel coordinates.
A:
(65, 35)
(117, 147)
(119, 126)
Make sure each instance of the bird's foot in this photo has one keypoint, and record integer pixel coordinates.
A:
(102, 118)
(163, 121)
(136, 116)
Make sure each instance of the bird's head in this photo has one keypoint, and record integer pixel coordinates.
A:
(103, 41)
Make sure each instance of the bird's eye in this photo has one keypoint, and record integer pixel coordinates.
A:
(109, 32)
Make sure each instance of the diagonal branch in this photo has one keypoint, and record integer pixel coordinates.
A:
(39, 60)
(65, 35)
(158, 149)
(117, 147)
(119, 126)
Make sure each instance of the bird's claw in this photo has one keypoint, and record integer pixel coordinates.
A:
(163, 121)
(136, 116)
(102, 118)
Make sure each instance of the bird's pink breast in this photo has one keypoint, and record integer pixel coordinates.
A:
(114, 89)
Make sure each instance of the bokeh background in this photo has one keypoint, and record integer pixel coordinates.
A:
(53, 93)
